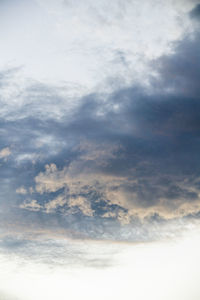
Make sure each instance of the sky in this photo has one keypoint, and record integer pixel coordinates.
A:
(99, 149)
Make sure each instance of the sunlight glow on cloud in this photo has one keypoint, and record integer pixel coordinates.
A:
(4, 153)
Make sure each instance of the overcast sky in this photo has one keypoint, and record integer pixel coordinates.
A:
(99, 149)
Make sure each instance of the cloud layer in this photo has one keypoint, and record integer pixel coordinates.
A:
(122, 158)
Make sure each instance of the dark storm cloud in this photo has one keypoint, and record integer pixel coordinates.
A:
(179, 72)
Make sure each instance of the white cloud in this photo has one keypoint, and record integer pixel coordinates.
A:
(21, 190)
(53, 204)
(85, 42)
(164, 270)
(82, 203)
(31, 205)
(4, 153)
(51, 180)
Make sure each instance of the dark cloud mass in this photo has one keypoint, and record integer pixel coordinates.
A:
(108, 168)
(195, 13)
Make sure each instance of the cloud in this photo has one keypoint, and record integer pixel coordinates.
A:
(179, 72)
(123, 198)
(53, 204)
(115, 159)
(83, 204)
(21, 190)
(103, 40)
(5, 153)
(55, 251)
(31, 205)
(139, 149)
(195, 13)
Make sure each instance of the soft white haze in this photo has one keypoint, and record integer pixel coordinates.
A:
(87, 42)
(163, 270)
